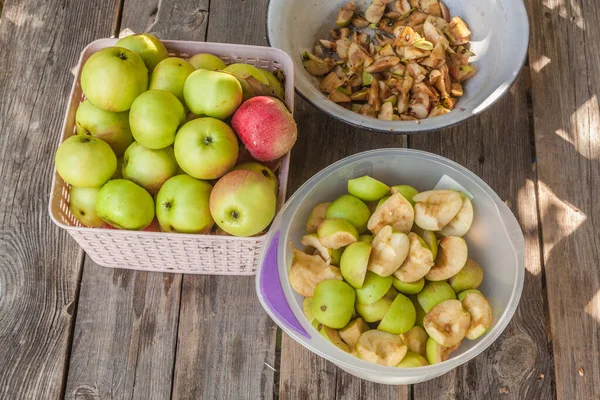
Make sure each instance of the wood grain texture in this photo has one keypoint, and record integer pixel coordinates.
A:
(40, 265)
(497, 148)
(564, 58)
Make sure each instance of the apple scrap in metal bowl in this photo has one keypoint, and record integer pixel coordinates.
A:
(386, 275)
(174, 145)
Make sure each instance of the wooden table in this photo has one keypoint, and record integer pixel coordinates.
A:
(71, 328)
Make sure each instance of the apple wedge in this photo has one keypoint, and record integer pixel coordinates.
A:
(408, 287)
(354, 262)
(366, 238)
(374, 288)
(469, 277)
(352, 209)
(389, 251)
(461, 223)
(316, 217)
(434, 293)
(332, 335)
(461, 296)
(452, 257)
(400, 317)
(418, 262)
(312, 240)
(396, 211)
(351, 332)
(416, 339)
(447, 323)
(481, 314)
(336, 232)
(408, 192)
(436, 353)
(307, 271)
(381, 348)
(412, 360)
(367, 188)
(376, 311)
(434, 209)
(333, 303)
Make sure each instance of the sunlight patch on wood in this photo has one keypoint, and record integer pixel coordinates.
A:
(567, 9)
(593, 307)
(539, 64)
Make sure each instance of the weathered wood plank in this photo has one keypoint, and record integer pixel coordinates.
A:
(564, 58)
(496, 146)
(40, 265)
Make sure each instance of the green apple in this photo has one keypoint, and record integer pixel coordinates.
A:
(274, 82)
(85, 161)
(125, 205)
(374, 288)
(335, 233)
(469, 277)
(182, 205)
(212, 93)
(242, 203)
(352, 209)
(155, 117)
(332, 335)
(481, 314)
(367, 188)
(418, 262)
(416, 339)
(247, 90)
(408, 288)
(317, 216)
(461, 296)
(452, 257)
(113, 77)
(265, 171)
(400, 317)
(119, 171)
(112, 127)
(436, 353)
(429, 238)
(382, 200)
(419, 310)
(366, 238)
(351, 332)
(381, 348)
(308, 270)
(246, 70)
(376, 311)
(412, 360)
(306, 307)
(448, 322)
(434, 293)
(82, 204)
(333, 303)
(147, 46)
(170, 75)
(149, 168)
(207, 61)
(207, 148)
(336, 256)
(353, 263)
(408, 192)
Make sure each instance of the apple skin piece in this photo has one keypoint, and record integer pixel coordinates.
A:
(147, 46)
(452, 257)
(333, 303)
(149, 168)
(332, 335)
(263, 170)
(85, 161)
(207, 61)
(436, 353)
(352, 209)
(396, 211)
(212, 93)
(429, 238)
(413, 360)
(469, 277)
(448, 322)
(182, 205)
(351, 332)
(376, 311)
(82, 204)
(374, 288)
(481, 314)
(408, 192)
(366, 238)
(400, 317)
(434, 209)
(461, 223)
(335, 233)
(274, 82)
(306, 307)
(125, 205)
(111, 127)
(381, 348)
(461, 296)
(418, 261)
(155, 117)
(434, 293)
(416, 339)
(207, 148)
(170, 75)
(242, 203)
(408, 288)
(317, 216)
(307, 271)
(367, 188)
(390, 249)
(113, 78)
(266, 127)
(353, 263)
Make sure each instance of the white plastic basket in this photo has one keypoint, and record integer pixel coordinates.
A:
(171, 252)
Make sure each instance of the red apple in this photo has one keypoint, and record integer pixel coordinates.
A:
(266, 127)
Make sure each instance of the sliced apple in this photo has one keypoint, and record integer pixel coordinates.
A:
(436, 353)
(408, 192)
(306, 305)
(416, 339)
(389, 251)
(420, 312)
(351, 332)
(412, 360)
(352, 209)
(336, 256)
(354, 262)
(481, 314)
(312, 240)
(452, 257)
(382, 200)
(400, 317)
(332, 335)
(308, 271)
(374, 288)
(395, 211)
(469, 277)
(434, 209)
(429, 238)
(408, 287)
(461, 296)
(366, 238)
(336, 232)
(418, 262)
(447, 323)
(333, 303)
(381, 348)
(367, 188)
(434, 293)
(461, 223)
(316, 217)
(376, 311)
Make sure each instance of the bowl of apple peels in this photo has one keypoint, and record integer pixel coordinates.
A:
(396, 265)
(401, 66)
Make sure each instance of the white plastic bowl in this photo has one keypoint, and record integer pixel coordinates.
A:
(495, 241)
(500, 39)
